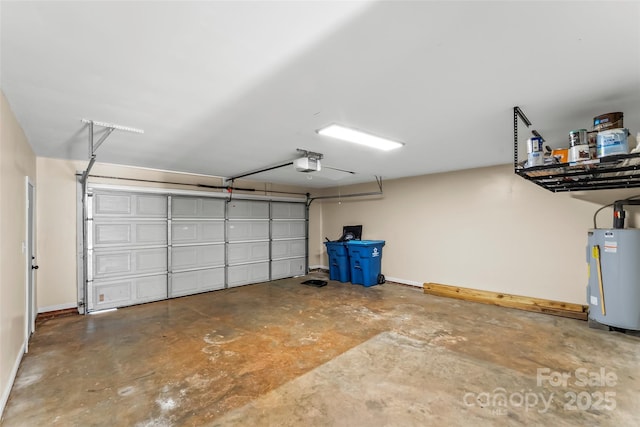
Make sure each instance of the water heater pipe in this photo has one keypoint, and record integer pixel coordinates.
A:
(619, 213)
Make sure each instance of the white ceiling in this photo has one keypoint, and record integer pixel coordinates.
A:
(222, 88)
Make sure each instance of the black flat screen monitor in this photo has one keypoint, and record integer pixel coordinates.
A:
(351, 232)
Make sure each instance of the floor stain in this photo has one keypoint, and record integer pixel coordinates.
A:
(126, 391)
(27, 380)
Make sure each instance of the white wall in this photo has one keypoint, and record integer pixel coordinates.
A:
(483, 228)
(17, 161)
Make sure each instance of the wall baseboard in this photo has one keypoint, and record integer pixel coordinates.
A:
(556, 308)
(12, 377)
(41, 317)
(404, 282)
(389, 279)
(57, 307)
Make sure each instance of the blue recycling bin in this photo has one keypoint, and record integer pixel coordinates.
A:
(338, 261)
(365, 261)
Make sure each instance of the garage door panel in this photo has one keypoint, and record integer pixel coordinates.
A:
(250, 209)
(129, 205)
(129, 262)
(107, 234)
(288, 248)
(112, 263)
(151, 261)
(287, 268)
(196, 207)
(112, 234)
(192, 282)
(112, 294)
(123, 292)
(151, 206)
(248, 252)
(186, 207)
(151, 234)
(151, 288)
(246, 274)
(212, 208)
(112, 204)
(281, 210)
(185, 257)
(184, 232)
(288, 229)
(247, 230)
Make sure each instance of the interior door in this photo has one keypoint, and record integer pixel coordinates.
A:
(32, 266)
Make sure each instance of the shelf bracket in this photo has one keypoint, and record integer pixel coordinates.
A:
(517, 113)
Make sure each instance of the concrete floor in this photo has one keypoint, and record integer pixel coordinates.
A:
(283, 354)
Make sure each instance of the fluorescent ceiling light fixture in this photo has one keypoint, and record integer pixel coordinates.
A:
(359, 137)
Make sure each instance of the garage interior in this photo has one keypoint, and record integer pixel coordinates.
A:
(167, 185)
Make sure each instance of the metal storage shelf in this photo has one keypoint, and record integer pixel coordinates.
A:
(611, 172)
(600, 174)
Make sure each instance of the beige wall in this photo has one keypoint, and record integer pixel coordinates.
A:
(484, 229)
(17, 161)
(56, 214)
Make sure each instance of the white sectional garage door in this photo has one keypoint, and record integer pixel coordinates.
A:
(149, 247)
(288, 239)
